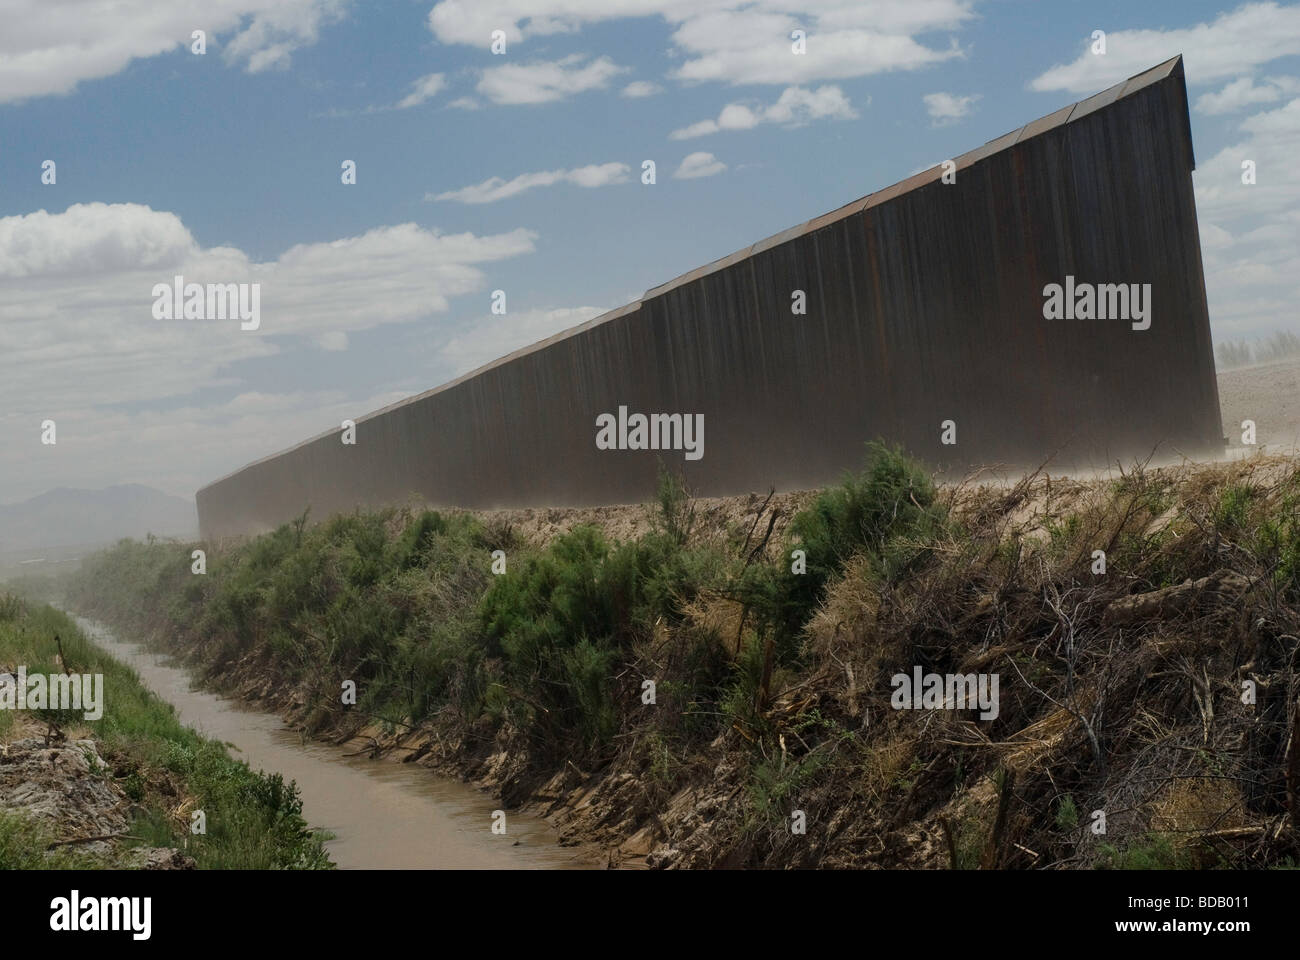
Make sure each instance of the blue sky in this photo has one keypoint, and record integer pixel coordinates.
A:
(227, 165)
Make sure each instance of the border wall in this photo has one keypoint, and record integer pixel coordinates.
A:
(924, 304)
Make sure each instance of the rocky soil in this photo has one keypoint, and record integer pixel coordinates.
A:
(68, 785)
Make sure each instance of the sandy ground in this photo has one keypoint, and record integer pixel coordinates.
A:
(1268, 394)
(713, 517)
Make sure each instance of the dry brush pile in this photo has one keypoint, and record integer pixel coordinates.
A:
(1147, 714)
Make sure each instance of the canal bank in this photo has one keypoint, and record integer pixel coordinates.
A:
(381, 814)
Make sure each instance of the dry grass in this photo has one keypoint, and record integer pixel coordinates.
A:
(1122, 690)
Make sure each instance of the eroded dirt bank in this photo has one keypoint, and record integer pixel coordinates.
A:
(62, 784)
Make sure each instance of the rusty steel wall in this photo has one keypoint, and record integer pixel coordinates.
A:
(925, 304)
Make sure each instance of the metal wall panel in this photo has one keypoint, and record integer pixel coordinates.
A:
(924, 304)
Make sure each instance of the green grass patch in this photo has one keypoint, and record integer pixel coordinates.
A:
(254, 820)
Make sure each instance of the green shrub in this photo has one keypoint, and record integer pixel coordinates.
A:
(25, 845)
(587, 669)
(1153, 852)
(417, 540)
(1067, 813)
(675, 514)
(889, 512)
(1233, 507)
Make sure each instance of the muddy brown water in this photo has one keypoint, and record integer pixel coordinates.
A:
(383, 814)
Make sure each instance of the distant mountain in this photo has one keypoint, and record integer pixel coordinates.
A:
(65, 517)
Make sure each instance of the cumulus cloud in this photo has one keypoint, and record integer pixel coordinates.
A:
(946, 108)
(1250, 234)
(641, 88)
(1233, 44)
(92, 238)
(1244, 92)
(795, 107)
(48, 48)
(79, 325)
(546, 81)
(82, 347)
(423, 89)
(696, 165)
(738, 41)
(496, 188)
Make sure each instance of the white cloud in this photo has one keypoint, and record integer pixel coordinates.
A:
(701, 164)
(945, 108)
(738, 41)
(641, 88)
(81, 345)
(795, 107)
(465, 103)
(547, 80)
(702, 128)
(427, 86)
(1250, 234)
(1232, 45)
(90, 239)
(278, 29)
(471, 22)
(1243, 92)
(739, 47)
(496, 188)
(598, 175)
(1281, 125)
(333, 340)
(79, 325)
(422, 90)
(48, 48)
